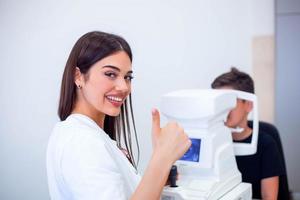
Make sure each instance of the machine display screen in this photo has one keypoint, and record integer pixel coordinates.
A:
(193, 154)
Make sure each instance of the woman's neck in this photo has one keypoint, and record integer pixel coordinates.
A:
(97, 117)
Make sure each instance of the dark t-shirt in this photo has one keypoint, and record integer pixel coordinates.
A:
(264, 164)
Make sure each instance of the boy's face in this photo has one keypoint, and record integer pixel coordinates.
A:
(239, 114)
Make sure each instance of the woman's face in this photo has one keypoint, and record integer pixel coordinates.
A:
(106, 85)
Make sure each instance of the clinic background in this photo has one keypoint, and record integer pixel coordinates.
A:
(176, 45)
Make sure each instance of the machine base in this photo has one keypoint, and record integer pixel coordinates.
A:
(242, 191)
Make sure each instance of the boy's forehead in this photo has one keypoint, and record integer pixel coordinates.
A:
(226, 87)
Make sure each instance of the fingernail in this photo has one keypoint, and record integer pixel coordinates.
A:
(153, 111)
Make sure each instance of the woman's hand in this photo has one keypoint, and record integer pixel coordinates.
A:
(169, 142)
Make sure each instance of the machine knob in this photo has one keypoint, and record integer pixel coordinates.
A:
(173, 176)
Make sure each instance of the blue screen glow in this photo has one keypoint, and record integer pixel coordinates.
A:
(193, 154)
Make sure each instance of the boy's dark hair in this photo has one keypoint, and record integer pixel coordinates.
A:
(236, 79)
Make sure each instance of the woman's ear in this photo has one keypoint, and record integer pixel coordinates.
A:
(78, 78)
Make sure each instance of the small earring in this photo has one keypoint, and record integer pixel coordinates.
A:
(79, 86)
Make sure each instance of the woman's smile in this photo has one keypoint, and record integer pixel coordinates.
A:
(115, 100)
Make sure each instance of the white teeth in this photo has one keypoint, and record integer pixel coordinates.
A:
(114, 98)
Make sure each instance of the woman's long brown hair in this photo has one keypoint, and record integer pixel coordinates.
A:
(89, 49)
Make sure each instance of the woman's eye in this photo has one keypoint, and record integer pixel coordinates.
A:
(129, 78)
(110, 74)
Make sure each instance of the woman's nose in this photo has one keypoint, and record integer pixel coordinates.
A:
(122, 85)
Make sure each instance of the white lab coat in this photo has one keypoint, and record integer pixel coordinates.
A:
(83, 163)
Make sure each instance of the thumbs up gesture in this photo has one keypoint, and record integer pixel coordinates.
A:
(170, 141)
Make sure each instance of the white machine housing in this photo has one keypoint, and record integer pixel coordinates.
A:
(208, 170)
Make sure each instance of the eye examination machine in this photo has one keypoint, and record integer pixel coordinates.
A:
(208, 170)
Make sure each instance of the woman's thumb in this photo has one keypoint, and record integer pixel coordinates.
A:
(155, 121)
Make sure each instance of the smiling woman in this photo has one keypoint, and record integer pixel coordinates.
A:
(108, 54)
(104, 88)
(85, 158)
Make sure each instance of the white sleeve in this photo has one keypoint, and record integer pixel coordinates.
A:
(90, 172)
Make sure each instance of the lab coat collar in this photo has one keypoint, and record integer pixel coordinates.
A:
(86, 120)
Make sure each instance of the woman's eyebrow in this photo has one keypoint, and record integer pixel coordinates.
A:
(112, 67)
(116, 68)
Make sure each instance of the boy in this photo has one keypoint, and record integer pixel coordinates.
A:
(263, 168)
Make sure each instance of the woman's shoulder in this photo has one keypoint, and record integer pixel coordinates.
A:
(78, 130)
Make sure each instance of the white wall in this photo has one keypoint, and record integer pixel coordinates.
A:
(263, 17)
(263, 65)
(176, 44)
(287, 86)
